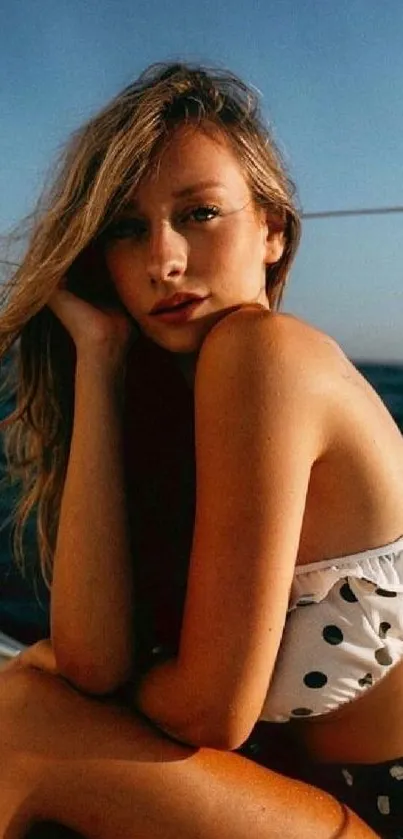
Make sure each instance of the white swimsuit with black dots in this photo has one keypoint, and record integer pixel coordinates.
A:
(344, 630)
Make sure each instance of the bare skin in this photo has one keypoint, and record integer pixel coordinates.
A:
(366, 482)
(283, 377)
(317, 450)
(103, 755)
(95, 768)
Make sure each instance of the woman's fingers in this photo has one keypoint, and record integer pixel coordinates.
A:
(89, 325)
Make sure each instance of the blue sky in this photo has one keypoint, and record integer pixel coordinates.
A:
(331, 76)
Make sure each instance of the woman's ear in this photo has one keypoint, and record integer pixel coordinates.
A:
(275, 244)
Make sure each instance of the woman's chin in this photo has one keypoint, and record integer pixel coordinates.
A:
(185, 339)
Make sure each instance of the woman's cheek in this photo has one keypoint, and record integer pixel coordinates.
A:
(130, 302)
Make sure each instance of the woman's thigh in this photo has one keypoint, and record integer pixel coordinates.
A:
(100, 770)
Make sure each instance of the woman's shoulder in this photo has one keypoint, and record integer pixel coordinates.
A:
(281, 328)
(280, 342)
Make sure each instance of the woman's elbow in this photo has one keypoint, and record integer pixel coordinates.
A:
(225, 734)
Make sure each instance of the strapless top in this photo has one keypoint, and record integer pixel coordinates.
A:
(343, 632)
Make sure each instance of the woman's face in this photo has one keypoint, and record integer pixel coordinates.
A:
(191, 227)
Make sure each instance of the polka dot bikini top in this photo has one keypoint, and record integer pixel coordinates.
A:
(343, 632)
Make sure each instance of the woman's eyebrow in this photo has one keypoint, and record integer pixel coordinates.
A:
(192, 189)
(189, 190)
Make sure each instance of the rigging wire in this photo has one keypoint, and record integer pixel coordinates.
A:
(366, 211)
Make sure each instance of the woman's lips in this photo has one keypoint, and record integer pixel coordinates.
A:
(179, 314)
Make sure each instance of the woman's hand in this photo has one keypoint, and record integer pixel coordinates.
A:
(105, 332)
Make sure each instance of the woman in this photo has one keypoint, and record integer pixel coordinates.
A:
(173, 216)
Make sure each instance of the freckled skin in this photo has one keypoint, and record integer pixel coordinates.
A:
(99, 770)
(160, 248)
(93, 764)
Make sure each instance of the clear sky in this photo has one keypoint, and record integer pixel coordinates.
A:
(331, 76)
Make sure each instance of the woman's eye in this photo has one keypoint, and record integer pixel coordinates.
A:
(126, 228)
(200, 214)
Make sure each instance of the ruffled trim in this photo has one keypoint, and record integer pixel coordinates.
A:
(382, 567)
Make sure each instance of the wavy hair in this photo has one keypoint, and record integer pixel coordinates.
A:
(102, 164)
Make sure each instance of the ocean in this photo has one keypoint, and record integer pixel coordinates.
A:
(387, 379)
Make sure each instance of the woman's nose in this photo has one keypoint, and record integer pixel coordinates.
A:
(167, 254)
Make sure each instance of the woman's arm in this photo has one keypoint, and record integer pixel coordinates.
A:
(92, 590)
(259, 429)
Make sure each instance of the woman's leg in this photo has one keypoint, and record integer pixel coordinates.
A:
(100, 770)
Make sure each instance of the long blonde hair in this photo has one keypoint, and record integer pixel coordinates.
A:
(102, 164)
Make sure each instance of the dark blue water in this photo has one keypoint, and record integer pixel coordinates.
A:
(25, 616)
(387, 379)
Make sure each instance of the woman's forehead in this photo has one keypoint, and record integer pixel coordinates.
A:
(193, 159)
